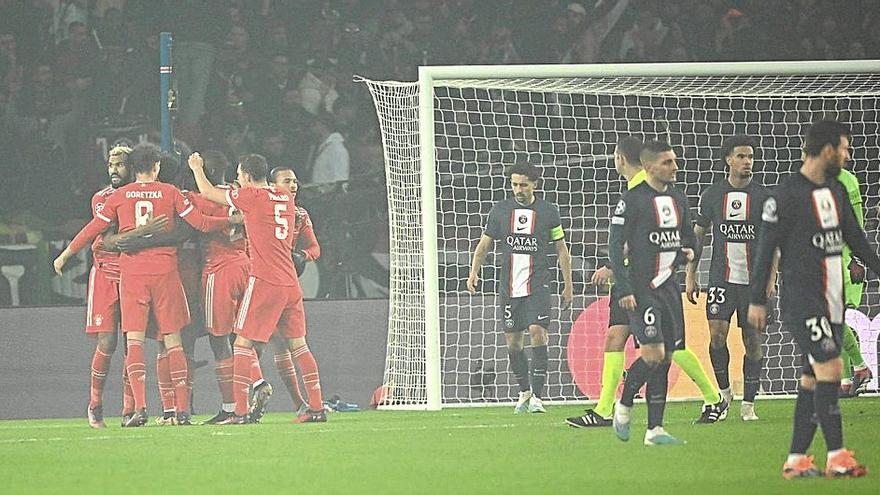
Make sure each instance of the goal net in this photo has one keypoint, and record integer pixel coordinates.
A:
(448, 138)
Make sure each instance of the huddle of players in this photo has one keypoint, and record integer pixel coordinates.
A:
(249, 283)
(805, 225)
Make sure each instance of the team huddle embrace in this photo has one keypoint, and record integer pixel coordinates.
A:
(809, 229)
(251, 237)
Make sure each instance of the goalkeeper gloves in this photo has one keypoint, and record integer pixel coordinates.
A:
(299, 262)
(856, 271)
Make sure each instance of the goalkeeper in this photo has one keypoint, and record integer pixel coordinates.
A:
(856, 373)
(531, 232)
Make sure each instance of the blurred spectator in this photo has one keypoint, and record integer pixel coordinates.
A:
(76, 59)
(197, 29)
(329, 160)
(65, 12)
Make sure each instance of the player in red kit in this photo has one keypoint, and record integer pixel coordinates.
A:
(273, 298)
(305, 248)
(224, 279)
(102, 301)
(149, 279)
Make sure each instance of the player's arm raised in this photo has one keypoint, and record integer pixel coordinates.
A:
(208, 190)
(121, 241)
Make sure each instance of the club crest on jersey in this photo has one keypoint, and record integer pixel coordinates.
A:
(826, 209)
(666, 213)
(523, 221)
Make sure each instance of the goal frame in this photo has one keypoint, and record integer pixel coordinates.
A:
(429, 75)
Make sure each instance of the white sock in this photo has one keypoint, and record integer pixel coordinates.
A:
(228, 407)
(792, 458)
(259, 382)
(832, 453)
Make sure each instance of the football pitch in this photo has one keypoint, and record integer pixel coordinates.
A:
(474, 450)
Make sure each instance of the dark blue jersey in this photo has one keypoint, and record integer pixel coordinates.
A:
(526, 235)
(652, 227)
(735, 216)
(810, 224)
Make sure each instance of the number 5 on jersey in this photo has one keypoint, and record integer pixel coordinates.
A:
(283, 227)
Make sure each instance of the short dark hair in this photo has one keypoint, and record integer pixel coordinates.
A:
(277, 170)
(524, 168)
(143, 157)
(254, 165)
(630, 147)
(736, 141)
(216, 165)
(653, 148)
(823, 133)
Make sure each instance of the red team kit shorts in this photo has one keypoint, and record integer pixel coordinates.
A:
(102, 302)
(223, 290)
(265, 307)
(163, 292)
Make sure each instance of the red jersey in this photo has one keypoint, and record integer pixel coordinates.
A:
(106, 261)
(133, 205)
(269, 216)
(223, 247)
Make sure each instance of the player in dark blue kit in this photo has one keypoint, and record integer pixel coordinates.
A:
(652, 225)
(732, 209)
(810, 219)
(530, 231)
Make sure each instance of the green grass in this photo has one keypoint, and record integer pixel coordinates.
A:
(487, 450)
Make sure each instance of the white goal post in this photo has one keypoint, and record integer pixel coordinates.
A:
(448, 137)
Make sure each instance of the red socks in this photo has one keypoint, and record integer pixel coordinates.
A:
(163, 376)
(178, 374)
(224, 379)
(284, 365)
(137, 372)
(256, 370)
(242, 366)
(100, 363)
(311, 380)
(127, 396)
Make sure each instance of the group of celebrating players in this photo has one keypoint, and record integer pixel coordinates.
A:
(810, 227)
(247, 233)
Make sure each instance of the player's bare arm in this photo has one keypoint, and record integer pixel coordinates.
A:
(480, 253)
(691, 281)
(565, 263)
(209, 191)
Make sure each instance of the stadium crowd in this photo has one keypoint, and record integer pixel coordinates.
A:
(275, 77)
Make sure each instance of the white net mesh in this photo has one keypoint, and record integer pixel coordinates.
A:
(569, 128)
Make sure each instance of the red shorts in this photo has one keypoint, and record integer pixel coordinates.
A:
(102, 303)
(265, 307)
(222, 290)
(163, 293)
